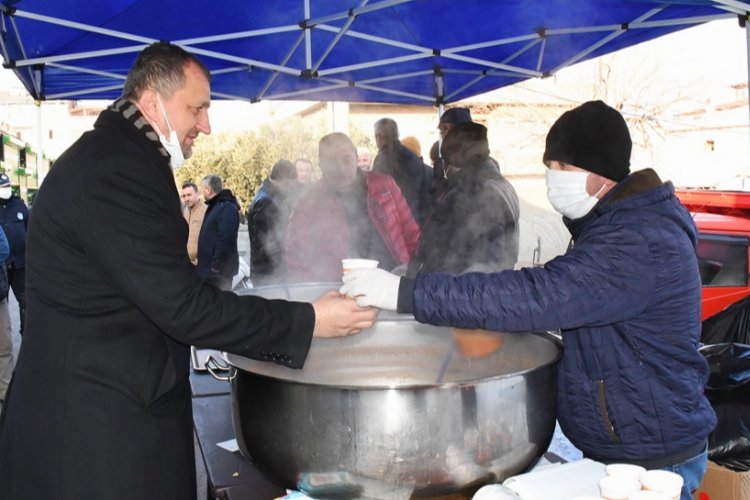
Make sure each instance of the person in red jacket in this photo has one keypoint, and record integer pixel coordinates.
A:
(347, 213)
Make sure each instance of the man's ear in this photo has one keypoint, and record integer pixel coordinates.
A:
(149, 106)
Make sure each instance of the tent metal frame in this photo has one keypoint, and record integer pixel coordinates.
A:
(330, 78)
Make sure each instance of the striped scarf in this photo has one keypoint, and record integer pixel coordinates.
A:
(132, 114)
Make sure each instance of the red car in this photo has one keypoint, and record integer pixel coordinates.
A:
(723, 220)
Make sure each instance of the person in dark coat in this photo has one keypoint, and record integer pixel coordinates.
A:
(449, 119)
(626, 297)
(267, 220)
(99, 405)
(14, 219)
(474, 225)
(218, 257)
(407, 169)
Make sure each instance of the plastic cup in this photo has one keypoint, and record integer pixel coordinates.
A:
(477, 343)
(629, 470)
(647, 495)
(618, 487)
(662, 481)
(350, 264)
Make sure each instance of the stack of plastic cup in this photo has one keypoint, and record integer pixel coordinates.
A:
(618, 487)
(664, 482)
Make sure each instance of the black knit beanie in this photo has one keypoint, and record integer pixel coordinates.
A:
(466, 145)
(594, 137)
(455, 116)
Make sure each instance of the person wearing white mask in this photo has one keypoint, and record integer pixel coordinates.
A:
(99, 403)
(14, 220)
(626, 297)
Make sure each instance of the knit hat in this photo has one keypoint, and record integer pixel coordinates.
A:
(594, 137)
(456, 115)
(412, 143)
(466, 145)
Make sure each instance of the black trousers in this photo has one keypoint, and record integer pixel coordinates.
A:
(17, 281)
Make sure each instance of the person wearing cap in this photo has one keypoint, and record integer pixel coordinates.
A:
(449, 119)
(412, 144)
(626, 296)
(452, 117)
(14, 219)
(474, 225)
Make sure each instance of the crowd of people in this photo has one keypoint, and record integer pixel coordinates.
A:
(119, 278)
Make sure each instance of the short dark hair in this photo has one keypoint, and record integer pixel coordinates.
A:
(213, 182)
(282, 170)
(161, 67)
(190, 185)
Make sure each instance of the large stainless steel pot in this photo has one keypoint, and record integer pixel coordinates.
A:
(365, 418)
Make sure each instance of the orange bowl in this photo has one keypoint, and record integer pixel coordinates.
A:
(477, 343)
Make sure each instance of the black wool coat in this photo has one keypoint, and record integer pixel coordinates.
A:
(99, 406)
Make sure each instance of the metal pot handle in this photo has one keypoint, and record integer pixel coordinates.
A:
(213, 366)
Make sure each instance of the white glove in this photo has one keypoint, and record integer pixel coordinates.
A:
(372, 287)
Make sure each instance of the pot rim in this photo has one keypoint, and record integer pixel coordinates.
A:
(451, 384)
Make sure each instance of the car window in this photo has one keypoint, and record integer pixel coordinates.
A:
(722, 260)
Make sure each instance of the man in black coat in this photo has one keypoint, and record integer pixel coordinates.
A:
(99, 406)
(14, 219)
(218, 258)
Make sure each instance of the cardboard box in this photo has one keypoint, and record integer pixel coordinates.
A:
(721, 483)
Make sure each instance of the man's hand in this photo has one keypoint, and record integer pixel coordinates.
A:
(338, 316)
(372, 287)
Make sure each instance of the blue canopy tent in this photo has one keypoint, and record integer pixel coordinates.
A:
(398, 51)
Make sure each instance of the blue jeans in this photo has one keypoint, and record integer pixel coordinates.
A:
(692, 471)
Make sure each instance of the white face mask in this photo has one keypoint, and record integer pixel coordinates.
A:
(567, 193)
(176, 158)
(5, 193)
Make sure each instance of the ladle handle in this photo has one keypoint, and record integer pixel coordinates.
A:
(213, 366)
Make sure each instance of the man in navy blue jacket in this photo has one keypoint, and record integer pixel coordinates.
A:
(218, 259)
(626, 297)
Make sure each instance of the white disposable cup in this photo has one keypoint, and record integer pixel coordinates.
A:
(668, 483)
(618, 487)
(629, 470)
(349, 264)
(647, 495)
